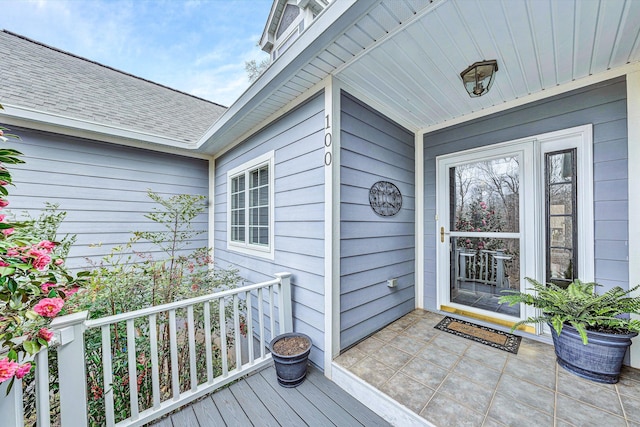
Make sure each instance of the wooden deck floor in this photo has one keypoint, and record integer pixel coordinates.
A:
(259, 401)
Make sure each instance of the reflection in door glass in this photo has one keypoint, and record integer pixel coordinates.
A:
(478, 276)
(561, 215)
(485, 196)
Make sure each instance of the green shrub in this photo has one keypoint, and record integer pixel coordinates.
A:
(128, 280)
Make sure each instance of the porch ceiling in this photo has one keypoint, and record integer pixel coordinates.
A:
(404, 57)
(538, 45)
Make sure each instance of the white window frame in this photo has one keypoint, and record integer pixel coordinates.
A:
(580, 137)
(263, 251)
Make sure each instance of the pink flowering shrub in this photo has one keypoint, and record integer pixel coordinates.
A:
(49, 307)
(34, 286)
(478, 217)
(45, 334)
(23, 370)
(7, 369)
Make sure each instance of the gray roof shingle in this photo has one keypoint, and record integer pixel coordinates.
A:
(40, 77)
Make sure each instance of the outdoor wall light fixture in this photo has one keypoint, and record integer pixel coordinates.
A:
(478, 78)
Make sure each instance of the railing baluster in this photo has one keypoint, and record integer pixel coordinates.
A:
(485, 265)
(107, 370)
(133, 378)
(173, 342)
(261, 320)
(42, 388)
(223, 338)
(249, 325)
(207, 340)
(236, 327)
(192, 348)
(155, 369)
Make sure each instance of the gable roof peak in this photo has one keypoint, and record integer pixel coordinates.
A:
(267, 40)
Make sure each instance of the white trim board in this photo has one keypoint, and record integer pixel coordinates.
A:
(211, 229)
(419, 220)
(332, 224)
(633, 147)
(56, 123)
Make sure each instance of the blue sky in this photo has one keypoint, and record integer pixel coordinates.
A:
(196, 46)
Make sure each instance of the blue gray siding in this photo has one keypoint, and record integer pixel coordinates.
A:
(102, 187)
(604, 106)
(374, 249)
(298, 142)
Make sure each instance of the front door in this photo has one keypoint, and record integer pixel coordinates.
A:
(511, 211)
(481, 232)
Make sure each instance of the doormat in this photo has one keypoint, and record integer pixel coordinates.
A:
(482, 334)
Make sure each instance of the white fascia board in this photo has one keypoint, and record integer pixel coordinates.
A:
(300, 99)
(331, 22)
(13, 115)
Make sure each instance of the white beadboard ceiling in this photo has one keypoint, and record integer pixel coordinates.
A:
(405, 56)
(539, 44)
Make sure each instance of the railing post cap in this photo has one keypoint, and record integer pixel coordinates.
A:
(283, 275)
(69, 320)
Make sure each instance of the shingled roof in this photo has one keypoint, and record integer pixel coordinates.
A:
(40, 77)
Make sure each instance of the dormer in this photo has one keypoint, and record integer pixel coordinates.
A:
(287, 19)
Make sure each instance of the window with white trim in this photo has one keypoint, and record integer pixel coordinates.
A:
(250, 217)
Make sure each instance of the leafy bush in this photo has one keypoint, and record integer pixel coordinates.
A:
(34, 283)
(128, 280)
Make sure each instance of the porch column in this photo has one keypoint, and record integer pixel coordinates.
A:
(419, 219)
(633, 144)
(331, 222)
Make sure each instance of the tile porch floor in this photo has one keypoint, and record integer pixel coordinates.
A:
(452, 381)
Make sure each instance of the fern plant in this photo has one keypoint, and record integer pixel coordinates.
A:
(580, 306)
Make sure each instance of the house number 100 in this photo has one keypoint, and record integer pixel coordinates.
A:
(327, 143)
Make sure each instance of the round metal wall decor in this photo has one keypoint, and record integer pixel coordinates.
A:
(385, 198)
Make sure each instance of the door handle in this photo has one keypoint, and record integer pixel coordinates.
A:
(441, 234)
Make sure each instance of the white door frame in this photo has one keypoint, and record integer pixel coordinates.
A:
(532, 226)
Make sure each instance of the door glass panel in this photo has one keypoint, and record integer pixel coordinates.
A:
(485, 199)
(485, 196)
(481, 268)
(561, 215)
(561, 199)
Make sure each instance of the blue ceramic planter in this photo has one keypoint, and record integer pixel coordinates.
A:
(600, 360)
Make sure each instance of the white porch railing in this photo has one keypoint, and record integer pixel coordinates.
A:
(482, 266)
(260, 301)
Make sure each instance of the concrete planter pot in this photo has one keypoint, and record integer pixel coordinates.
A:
(291, 369)
(600, 360)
